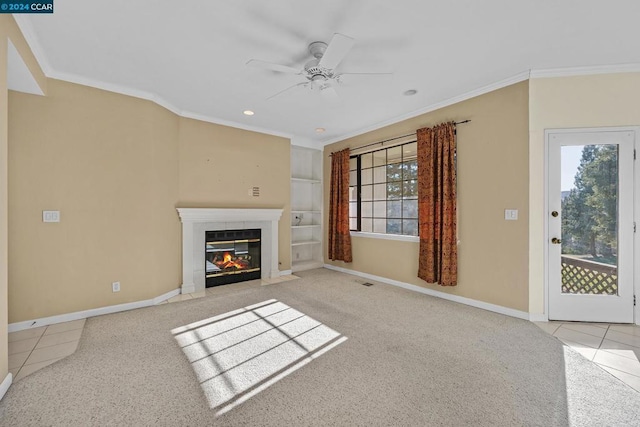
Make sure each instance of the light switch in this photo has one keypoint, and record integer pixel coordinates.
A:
(50, 216)
(511, 214)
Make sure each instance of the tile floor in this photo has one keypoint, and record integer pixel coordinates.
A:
(33, 349)
(615, 348)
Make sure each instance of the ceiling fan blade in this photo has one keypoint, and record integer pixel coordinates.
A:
(329, 93)
(271, 66)
(366, 74)
(355, 78)
(287, 89)
(338, 48)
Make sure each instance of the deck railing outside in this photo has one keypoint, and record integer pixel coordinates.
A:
(580, 276)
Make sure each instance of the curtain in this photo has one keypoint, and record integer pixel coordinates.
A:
(437, 221)
(339, 236)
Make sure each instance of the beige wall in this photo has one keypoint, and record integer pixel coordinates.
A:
(8, 29)
(569, 102)
(116, 167)
(219, 164)
(4, 352)
(107, 162)
(492, 176)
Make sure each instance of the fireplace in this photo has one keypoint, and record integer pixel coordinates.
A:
(197, 221)
(232, 256)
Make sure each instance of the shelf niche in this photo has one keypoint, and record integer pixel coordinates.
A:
(306, 208)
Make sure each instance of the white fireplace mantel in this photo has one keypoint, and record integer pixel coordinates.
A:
(197, 221)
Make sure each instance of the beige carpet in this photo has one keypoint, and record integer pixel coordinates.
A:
(322, 350)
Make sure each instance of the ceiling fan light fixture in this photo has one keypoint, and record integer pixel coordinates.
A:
(248, 113)
(317, 49)
(410, 92)
(320, 130)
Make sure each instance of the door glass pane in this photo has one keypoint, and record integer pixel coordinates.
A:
(589, 219)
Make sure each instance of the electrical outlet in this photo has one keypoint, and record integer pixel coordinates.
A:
(511, 214)
(50, 216)
(115, 286)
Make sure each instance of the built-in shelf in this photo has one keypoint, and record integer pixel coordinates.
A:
(306, 209)
(306, 242)
(306, 180)
(304, 212)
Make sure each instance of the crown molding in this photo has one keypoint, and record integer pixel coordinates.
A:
(19, 77)
(30, 36)
(217, 121)
(584, 71)
(149, 96)
(456, 99)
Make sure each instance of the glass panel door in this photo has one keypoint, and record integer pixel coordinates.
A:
(590, 226)
(589, 204)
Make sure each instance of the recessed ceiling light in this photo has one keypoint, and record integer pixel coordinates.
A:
(410, 92)
(320, 130)
(248, 113)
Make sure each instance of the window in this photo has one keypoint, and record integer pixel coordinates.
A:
(383, 191)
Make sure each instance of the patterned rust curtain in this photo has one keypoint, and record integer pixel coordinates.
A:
(339, 236)
(437, 221)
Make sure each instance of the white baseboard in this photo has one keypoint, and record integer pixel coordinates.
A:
(51, 320)
(455, 298)
(5, 385)
(286, 273)
(164, 297)
(538, 317)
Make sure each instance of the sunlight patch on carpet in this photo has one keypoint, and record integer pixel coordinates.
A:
(240, 353)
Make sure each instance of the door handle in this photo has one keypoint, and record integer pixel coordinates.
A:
(556, 241)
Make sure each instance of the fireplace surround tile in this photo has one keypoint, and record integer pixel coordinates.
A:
(197, 221)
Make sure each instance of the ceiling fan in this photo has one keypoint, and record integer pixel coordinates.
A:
(320, 72)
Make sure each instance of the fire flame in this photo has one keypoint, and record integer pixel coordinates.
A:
(229, 262)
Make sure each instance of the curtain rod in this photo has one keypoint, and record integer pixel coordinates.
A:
(399, 137)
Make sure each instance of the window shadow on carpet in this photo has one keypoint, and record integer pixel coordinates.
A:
(238, 354)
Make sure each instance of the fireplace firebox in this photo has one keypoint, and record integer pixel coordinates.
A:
(232, 256)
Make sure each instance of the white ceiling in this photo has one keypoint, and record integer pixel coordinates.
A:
(190, 55)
